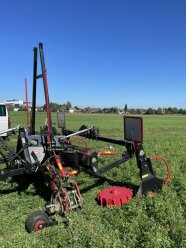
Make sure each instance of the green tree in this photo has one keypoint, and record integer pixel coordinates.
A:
(10, 107)
(114, 110)
(174, 110)
(169, 110)
(125, 108)
(139, 111)
(76, 107)
(132, 111)
(68, 105)
(181, 111)
(150, 111)
(159, 111)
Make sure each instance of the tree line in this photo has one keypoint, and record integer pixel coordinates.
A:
(162, 111)
(55, 107)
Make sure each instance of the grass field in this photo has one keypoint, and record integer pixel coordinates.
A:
(158, 221)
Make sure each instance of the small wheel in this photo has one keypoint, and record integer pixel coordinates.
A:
(36, 221)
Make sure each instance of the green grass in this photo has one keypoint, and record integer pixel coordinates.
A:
(158, 221)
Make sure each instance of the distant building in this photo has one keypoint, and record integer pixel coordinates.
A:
(90, 110)
(71, 110)
(17, 104)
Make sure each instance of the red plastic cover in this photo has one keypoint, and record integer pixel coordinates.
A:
(114, 196)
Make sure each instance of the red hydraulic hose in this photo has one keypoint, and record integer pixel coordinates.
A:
(167, 166)
(81, 139)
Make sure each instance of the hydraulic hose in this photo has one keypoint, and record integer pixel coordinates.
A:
(166, 165)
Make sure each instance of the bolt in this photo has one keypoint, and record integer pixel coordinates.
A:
(141, 153)
(40, 226)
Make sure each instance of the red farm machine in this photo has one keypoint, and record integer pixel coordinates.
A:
(46, 156)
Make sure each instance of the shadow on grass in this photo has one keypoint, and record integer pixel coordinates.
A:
(39, 187)
(24, 182)
(101, 180)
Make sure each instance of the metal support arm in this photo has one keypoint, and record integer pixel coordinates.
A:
(150, 183)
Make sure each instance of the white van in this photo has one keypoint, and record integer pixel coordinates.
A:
(4, 119)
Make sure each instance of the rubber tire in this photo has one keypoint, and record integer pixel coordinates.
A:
(33, 219)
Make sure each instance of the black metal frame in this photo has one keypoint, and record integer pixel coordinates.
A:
(149, 181)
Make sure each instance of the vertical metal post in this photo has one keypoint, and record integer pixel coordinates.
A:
(45, 84)
(34, 92)
(27, 115)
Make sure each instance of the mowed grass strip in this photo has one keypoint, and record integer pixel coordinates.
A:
(145, 222)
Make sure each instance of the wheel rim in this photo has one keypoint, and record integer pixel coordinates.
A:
(39, 225)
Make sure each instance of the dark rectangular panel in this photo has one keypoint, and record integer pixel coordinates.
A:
(133, 128)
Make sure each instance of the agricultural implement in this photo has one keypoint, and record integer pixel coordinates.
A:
(55, 157)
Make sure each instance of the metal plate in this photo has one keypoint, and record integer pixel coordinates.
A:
(61, 120)
(39, 152)
(133, 128)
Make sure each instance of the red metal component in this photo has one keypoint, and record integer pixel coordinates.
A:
(151, 193)
(39, 225)
(114, 196)
(27, 114)
(101, 152)
(167, 166)
(9, 122)
(47, 106)
(59, 164)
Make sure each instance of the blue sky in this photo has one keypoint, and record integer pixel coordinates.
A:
(98, 53)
